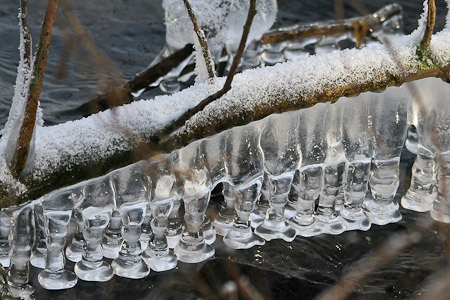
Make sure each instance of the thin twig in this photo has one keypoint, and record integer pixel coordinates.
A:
(227, 86)
(431, 20)
(330, 28)
(122, 95)
(25, 28)
(202, 40)
(26, 130)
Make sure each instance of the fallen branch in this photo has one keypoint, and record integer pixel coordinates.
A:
(22, 149)
(370, 22)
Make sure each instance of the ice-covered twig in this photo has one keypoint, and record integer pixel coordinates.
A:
(25, 28)
(202, 41)
(330, 28)
(22, 149)
(227, 85)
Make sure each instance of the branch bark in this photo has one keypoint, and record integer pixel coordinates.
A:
(26, 131)
(202, 40)
(431, 20)
(330, 28)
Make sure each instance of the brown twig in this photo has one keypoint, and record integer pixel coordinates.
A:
(122, 95)
(202, 40)
(431, 19)
(227, 86)
(22, 148)
(332, 27)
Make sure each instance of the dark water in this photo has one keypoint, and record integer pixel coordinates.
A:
(131, 33)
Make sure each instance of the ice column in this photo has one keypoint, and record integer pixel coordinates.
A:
(75, 249)
(175, 224)
(5, 222)
(387, 126)
(313, 148)
(96, 209)
(194, 187)
(244, 163)
(131, 187)
(423, 189)
(57, 208)
(162, 200)
(358, 152)
(438, 104)
(113, 236)
(21, 239)
(258, 215)
(40, 247)
(279, 142)
(328, 219)
(213, 150)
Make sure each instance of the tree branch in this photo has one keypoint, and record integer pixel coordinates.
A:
(202, 40)
(227, 86)
(431, 20)
(26, 131)
(332, 27)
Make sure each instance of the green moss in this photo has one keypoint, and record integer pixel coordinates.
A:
(426, 61)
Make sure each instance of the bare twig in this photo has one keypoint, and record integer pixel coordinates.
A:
(332, 27)
(202, 40)
(227, 86)
(26, 130)
(122, 95)
(431, 19)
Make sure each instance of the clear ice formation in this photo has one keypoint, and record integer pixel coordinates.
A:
(337, 164)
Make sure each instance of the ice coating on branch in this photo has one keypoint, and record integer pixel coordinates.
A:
(11, 130)
(200, 65)
(220, 20)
